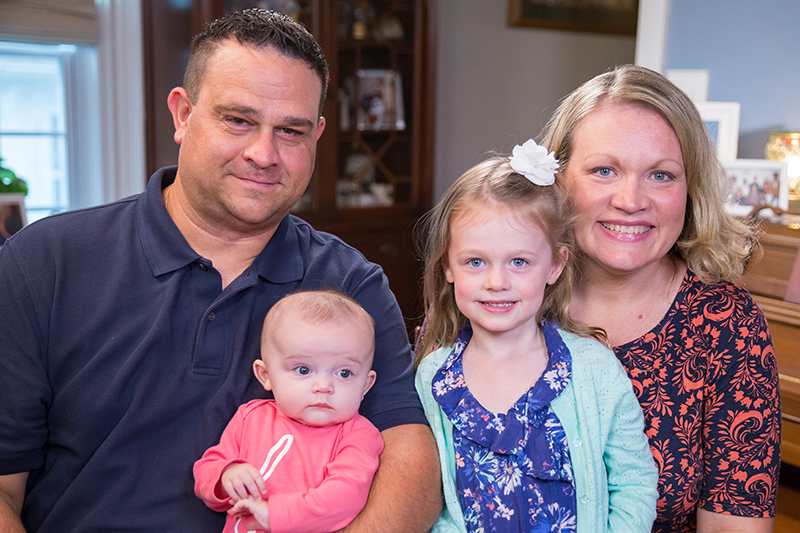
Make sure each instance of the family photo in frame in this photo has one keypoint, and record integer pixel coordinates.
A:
(380, 99)
(756, 182)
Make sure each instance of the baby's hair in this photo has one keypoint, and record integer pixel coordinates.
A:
(319, 306)
(494, 182)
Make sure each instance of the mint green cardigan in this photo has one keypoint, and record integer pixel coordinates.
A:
(615, 474)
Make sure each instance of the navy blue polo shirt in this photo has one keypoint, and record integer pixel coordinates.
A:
(122, 360)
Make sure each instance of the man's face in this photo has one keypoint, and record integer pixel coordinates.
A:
(248, 142)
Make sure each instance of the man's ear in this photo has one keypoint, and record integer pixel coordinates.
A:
(260, 370)
(320, 127)
(180, 106)
(371, 376)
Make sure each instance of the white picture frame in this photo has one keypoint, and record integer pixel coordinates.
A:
(12, 215)
(753, 182)
(380, 101)
(722, 122)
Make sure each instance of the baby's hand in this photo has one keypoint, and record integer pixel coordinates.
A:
(241, 481)
(259, 511)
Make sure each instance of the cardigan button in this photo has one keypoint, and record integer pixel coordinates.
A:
(585, 499)
(578, 443)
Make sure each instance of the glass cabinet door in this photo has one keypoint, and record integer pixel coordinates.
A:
(366, 157)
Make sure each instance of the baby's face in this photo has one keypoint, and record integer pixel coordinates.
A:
(318, 372)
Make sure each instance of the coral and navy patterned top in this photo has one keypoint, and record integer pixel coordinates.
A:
(707, 381)
(513, 470)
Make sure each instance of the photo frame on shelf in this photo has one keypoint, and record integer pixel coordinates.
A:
(12, 215)
(380, 100)
(755, 182)
(722, 122)
(600, 16)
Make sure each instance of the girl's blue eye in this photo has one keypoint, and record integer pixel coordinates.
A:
(475, 262)
(518, 262)
(302, 370)
(345, 373)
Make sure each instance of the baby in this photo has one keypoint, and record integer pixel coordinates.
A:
(305, 460)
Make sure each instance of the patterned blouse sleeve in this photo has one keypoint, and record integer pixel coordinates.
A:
(741, 445)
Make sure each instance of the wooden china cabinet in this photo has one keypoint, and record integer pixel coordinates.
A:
(374, 169)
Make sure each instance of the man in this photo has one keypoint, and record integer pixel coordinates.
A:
(130, 329)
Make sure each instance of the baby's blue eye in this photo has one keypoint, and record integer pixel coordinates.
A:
(345, 373)
(302, 370)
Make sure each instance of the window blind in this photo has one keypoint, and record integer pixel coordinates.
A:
(49, 21)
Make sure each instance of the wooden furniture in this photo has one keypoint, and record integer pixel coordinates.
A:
(767, 280)
(374, 169)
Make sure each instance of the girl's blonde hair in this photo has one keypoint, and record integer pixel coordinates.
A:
(493, 182)
(715, 244)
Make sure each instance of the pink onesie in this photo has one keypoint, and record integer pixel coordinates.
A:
(317, 478)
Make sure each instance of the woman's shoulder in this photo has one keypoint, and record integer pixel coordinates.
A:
(702, 297)
(696, 287)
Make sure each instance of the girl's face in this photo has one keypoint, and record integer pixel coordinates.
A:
(628, 183)
(499, 265)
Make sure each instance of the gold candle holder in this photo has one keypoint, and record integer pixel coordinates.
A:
(785, 146)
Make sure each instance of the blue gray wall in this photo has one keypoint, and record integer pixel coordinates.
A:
(751, 49)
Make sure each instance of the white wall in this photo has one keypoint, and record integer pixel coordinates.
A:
(497, 85)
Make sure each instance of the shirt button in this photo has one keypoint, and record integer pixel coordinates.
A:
(211, 317)
(202, 267)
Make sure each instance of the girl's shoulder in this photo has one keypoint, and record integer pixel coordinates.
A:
(432, 362)
(590, 356)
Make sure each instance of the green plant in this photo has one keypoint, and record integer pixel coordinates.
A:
(9, 182)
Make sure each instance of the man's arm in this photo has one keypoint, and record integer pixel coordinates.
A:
(406, 493)
(708, 522)
(12, 493)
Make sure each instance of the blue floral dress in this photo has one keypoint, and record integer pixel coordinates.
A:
(513, 470)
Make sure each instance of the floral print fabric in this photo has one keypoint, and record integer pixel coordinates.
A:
(707, 381)
(513, 470)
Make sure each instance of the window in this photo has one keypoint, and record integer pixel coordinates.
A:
(43, 121)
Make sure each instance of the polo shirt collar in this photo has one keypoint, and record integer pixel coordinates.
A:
(282, 260)
(166, 249)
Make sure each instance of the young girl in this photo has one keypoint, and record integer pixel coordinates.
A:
(536, 422)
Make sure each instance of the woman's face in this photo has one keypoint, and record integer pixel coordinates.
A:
(627, 179)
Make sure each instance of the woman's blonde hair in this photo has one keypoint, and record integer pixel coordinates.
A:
(715, 244)
(493, 182)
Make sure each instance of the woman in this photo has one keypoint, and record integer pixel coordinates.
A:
(658, 255)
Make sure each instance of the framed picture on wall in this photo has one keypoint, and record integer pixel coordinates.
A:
(600, 16)
(12, 215)
(722, 122)
(755, 182)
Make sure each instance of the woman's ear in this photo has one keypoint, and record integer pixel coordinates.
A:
(559, 262)
(260, 370)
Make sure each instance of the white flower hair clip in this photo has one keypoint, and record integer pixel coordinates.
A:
(533, 162)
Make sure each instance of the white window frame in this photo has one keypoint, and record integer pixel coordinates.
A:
(105, 112)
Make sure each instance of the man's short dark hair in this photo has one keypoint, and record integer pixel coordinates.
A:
(259, 28)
